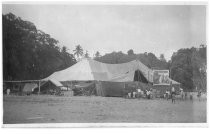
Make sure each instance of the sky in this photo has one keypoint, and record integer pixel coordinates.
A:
(160, 29)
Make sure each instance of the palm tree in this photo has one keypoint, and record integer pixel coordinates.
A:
(97, 54)
(87, 55)
(64, 49)
(78, 51)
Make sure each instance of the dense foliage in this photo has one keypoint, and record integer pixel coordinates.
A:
(188, 66)
(29, 53)
(149, 59)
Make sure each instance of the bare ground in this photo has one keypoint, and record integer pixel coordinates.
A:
(52, 109)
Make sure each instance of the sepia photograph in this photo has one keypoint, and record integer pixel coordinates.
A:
(103, 64)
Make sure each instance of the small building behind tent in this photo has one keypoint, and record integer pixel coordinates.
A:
(29, 88)
(52, 86)
(161, 89)
(48, 87)
(15, 87)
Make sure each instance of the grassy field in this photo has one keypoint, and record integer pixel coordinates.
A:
(52, 109)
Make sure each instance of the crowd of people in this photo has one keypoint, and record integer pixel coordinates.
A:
(140, 93)
(169, 94)
(183, 95)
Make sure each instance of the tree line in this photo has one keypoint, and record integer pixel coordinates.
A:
(29, 53)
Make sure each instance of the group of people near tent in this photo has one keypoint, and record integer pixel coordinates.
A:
(169, 94)
(141, 93)
(172, 94)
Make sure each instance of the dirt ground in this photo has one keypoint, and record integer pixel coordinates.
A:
(52, 109)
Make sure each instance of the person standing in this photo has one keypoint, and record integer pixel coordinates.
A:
(134, 94)
(173, 98)
(199, 95)
(151, 93)
(185, 95)
(125, 91)
(138, 93)
(148, 94)
(129, 95)
(164, 95)
(172, 90)
(142, 93)
(191, 96)
(8, 91)
(167, 94)
(182, 93)
(173, 95)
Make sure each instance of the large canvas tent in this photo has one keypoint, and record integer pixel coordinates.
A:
(110, 79)
(88, 69)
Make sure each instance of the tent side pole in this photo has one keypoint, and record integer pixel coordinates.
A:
(39, 88)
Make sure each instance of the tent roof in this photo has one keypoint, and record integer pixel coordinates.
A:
(88, 69)
(55, 82)
(174, 82)
(127, 77)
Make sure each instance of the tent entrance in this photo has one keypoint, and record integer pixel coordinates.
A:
(138, 76)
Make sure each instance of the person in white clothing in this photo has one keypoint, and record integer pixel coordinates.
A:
(139, 90)
(138, 93)
(129, 95)
(8, 91)
(166, 94)
(182, 93)
(134, 94)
